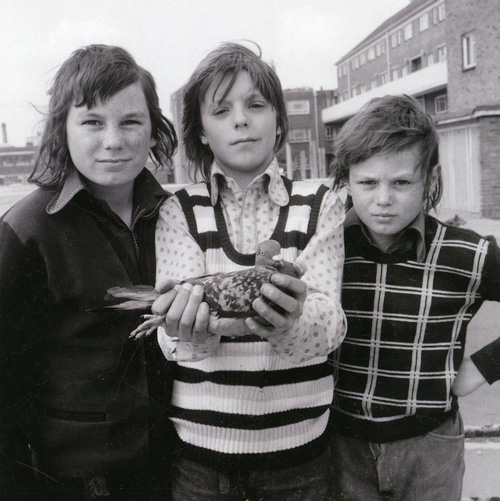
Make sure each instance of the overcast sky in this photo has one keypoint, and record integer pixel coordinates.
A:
(302, 38)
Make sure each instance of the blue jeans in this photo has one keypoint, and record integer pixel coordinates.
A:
(307, 482)
(424, 468)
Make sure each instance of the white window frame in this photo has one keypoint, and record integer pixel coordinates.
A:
(408, 31)
(330, 132)
(299, 135)
(371, 53)
(440, 108)
(430, 59)
(468, 51)
(383, 78)
(441, 12)
(423, 22)
(298, 107)
(395, 70)
(394, 39)
(442, 53)
(362, 59)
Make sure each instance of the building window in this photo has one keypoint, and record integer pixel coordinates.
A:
(441, 12)
(395, 39)
(371, 53)
(363, 88)
(373, 83)
(424, 22)
(362, 59)
(421, 101)
(408, 31)
(299, 135)
(355, 63)
(345, 95)
(395, 73)
(441, 103)
(298, 107)
(468, 51)
(442, 53)
(430, 59)
(329, 132)
(404, 70)
(383, 78)
(415, 64)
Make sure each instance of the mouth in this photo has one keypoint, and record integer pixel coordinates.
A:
(383, 216)
(244, 140)
(113, 160)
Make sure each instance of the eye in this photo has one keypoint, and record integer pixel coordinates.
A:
(367, 182)
(403, 182)
(131, 122)
(257, 105)
(90, 122)
(219, 111)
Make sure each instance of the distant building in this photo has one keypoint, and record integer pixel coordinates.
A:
(446, 54)
(304, 154)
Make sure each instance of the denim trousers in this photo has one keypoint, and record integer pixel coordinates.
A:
(307, 482)
(427, 467)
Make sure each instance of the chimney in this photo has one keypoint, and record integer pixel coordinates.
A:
(4, 133)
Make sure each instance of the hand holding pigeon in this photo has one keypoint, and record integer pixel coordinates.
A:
(228, 295)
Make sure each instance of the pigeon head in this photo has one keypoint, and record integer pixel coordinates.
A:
(266, 251)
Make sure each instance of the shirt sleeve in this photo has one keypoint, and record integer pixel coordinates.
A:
(487, 359)
(178, 256)
(322, 325)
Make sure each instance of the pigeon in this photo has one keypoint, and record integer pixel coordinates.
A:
(229, 295)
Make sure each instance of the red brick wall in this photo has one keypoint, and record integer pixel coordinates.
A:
(490, 166)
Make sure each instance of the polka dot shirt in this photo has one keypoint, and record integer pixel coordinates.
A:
(251, 217)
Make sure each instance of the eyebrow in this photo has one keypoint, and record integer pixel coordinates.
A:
(93, 113)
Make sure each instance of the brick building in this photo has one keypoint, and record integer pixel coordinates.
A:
(445, 53)
(304, 154)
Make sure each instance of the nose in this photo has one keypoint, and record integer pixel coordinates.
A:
(383, 195)
(240, 117)
(113, 138)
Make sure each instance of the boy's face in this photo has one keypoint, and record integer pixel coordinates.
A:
(387, 192)
(109, 143)
(240, 130)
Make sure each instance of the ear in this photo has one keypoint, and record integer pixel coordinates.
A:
(434, 177)
(152, 142)
(278, 130)
(203, 138)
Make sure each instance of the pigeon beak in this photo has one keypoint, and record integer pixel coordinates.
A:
(278, 257)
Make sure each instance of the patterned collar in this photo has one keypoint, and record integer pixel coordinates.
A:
(412, 237)
(270, 178)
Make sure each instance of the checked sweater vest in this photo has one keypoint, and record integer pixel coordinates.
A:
(407, 327)
(244, 406)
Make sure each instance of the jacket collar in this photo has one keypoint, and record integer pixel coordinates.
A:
(148, 193)
(270, 177)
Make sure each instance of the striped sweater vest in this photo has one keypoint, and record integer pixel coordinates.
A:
(405, 341)
(245, 407)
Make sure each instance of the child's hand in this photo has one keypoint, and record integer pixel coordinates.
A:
(186, 315)
(288, 294)
(468, 378)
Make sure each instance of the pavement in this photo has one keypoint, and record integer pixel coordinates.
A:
(480, 410)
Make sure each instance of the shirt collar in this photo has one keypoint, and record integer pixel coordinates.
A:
(416, 227)
(270, 177)
(148, 193)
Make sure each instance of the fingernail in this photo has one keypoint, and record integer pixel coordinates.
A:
(187, 286)
(204, 308)
(197, 290)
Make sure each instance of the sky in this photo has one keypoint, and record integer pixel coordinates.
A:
(302, 38)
